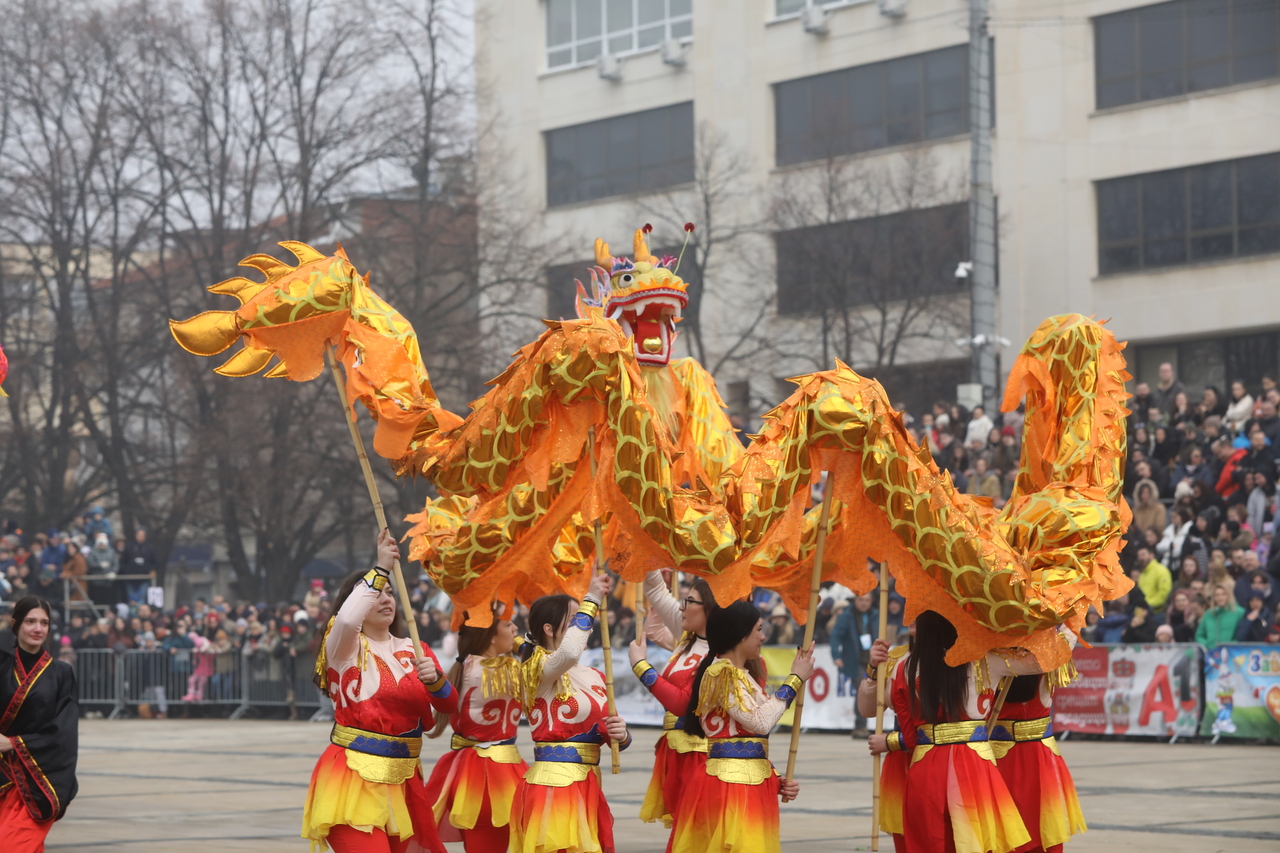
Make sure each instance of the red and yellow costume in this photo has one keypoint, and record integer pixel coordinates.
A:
(955, 798)
(367, 788)
(901, 743)
(678, 755)
(559, 804)
(1036, 773)
(733, 804)
(473, 785)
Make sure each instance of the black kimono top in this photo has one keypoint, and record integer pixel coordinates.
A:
(40, 714)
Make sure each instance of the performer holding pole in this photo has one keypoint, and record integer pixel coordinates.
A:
(819, 550)
(367, 793)
(732, 806)
(881, 673)
(39, 725)
(559, 805)
(473, 785)
(678, 755)
(897, 746)
(374, 496)
(1032, 766)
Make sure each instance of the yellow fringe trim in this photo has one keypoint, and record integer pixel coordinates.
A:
(1062, 676)
(322, 656)
(724, 686)
(531, 670)
(500, 677)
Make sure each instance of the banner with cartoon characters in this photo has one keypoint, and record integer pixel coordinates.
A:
(1242, 692)
(1151, 689)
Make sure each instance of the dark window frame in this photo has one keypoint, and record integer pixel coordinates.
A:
(1141, 247)
(621, 168)
(812, 279)
(836, 133)
(1188, 17)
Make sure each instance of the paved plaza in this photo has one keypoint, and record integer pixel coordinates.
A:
(148, 786)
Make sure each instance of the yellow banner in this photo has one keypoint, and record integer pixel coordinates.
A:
(777, 662)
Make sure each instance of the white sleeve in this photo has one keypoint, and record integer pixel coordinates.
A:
(662, 602)
(761, 715)
(565, 658)
(344, 637)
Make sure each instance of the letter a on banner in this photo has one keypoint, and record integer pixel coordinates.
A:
(1158, 697)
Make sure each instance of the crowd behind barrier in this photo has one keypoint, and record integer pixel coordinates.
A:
(1200, 478)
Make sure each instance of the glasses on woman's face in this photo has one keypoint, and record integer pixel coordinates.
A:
(687, 601)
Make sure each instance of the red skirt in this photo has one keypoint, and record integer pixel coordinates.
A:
(467, 791)
(574, 818)
(957, 801)
(672, 771)
(893, 790)
(726, 817)
(1041, 785)
(339, 795)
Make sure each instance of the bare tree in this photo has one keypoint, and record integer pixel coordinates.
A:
(865, 255)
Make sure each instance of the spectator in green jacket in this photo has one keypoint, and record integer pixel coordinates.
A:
(1156, 581)
(1220, 621)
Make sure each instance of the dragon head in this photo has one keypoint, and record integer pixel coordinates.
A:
(643, 295)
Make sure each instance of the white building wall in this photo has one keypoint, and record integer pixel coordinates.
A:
(1050, 145)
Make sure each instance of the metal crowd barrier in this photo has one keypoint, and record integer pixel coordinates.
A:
(186, 677)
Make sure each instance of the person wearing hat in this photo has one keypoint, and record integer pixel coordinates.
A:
(732, 805)
(855, 630)
(782, 627)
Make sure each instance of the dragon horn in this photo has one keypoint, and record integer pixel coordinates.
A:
(603, 258)
(641, 248)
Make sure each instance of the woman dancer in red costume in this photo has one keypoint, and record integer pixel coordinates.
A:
(679, 754)
(1033, 768)
(955, 798)
(559, 804)
(367, 793)
(732, 806)
(473, 785)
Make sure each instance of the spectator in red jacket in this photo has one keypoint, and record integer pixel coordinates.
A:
(1229, 458)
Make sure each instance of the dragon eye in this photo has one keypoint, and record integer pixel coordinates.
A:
(628, 278)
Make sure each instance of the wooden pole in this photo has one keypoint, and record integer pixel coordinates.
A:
(405, 604)
(604, 615)
(1002, 693)
(882, 674)
(819, 550)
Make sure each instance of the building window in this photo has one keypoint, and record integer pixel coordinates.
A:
(908, 99)
(578, 31)
(871, 262)
(623, 154)
(783, 8)
(1218, 210)
(1187, 46)
(1210, 363)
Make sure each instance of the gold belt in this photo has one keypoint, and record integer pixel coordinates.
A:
(503, 752)
(376, 757)
(678, 739)
(1025, 730)
(739, 760)
(945, 734)
(558, 764)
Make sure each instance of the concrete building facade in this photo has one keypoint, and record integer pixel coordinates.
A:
(1136, 158)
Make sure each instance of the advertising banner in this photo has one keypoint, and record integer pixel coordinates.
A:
(1132, 690)
(828, 705)
(1242, 692)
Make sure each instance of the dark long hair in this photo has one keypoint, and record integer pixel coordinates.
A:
(726, 627)
(938, 690)
(21, 608)
(548, 610)
(471, 641)
(1024, 689)
(700, 586)
(399, 628)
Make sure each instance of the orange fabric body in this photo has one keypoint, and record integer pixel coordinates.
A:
(21, 832)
